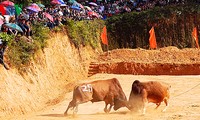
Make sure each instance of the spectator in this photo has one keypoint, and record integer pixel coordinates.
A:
(3, 46)
(28, 28)
(5, 29)
(21, 23)
(50, 24)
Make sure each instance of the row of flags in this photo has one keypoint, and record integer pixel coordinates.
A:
(152, 37)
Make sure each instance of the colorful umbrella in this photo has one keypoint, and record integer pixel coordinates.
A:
(61, 1)
(88, 8)
(80, 5)
(75, 4)
(48, 16)
(75, 8)
(32, 9)
(14, 26)
(71, 1)
(34, 5)
(94, 4)
(1, 21)
(55, 2)
(92, 13)
(5, 11)
(17, 9)
(63, 5)
(41, 5)
(2, 10)
(7, 3)
(8, 12)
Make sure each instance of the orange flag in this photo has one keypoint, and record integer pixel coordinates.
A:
(104, 36)
(195, 36)
(152, 38)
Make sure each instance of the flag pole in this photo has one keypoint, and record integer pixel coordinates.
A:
(107, 41)
(107, 50)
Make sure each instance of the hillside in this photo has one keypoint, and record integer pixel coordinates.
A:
(46, 79)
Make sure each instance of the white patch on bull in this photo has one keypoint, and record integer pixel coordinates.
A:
(86, 88)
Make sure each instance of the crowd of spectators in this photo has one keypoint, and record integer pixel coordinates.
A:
(78, 11)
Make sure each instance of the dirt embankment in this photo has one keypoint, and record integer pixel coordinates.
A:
(45, 80)
(163, 61)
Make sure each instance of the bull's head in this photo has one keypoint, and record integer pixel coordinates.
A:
(136, 89)
(118, 103)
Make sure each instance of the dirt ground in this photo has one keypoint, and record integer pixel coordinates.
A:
(184, 102)
(169, 54)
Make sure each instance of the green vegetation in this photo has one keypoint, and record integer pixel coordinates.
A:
(6, 38)
(173, 27)
(21, 50)
(85, 32)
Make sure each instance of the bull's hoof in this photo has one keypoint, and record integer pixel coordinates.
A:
(65, 114)
(115, 108)
(164, 110)
(143, 114)
(106, 111)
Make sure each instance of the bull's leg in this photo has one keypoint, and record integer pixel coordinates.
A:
(75, 110)
(105, 109)
(71, 105)
(166, 100)
(111, 105)
(145, 101)
(158, 104)
(144, 106)
(166, 103)
(109, 100)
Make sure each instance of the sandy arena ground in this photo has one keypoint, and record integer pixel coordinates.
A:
(184, 102)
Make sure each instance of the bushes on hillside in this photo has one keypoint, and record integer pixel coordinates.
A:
(21, 50)
(85, 32)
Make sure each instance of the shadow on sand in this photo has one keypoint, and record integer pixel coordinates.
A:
(53, 115)
(117, 112)
(71, 115)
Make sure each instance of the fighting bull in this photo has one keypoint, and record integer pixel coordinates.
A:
(151, 91)
(109, 91)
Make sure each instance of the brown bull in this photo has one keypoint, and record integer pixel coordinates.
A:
(109, 91)
(145, 92)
